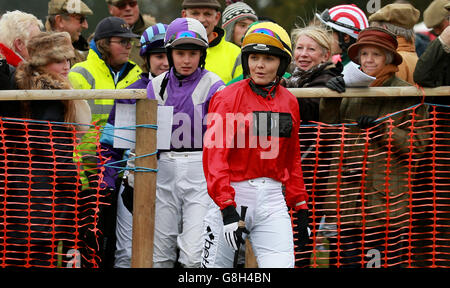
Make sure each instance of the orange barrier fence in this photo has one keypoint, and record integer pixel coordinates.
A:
(48, 216)
(379, 197)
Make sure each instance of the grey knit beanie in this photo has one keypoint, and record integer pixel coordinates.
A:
(232, 14)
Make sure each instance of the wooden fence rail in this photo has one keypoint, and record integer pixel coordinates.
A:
(145, 189)
(298, 92)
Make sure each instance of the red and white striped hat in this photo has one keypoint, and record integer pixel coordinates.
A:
(348, 19)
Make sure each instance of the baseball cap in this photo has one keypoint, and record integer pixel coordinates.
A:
(113, 27)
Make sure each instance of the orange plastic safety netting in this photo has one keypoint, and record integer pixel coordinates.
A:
(379, 197)
(50, 197)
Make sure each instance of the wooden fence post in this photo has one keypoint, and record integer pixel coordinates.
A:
(144, 186)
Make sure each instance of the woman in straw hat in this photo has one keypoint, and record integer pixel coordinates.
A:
(384, 212)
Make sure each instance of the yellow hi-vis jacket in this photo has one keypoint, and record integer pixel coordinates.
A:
(95, 74)
(223, 57)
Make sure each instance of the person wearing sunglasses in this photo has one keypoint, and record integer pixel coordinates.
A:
(246, 163)
(346, 21)
(107, 66)
(154, 54)
(63, 17)
(129, 11)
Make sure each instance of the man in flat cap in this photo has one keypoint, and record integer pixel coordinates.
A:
(433, 67)
(433, 70)
(129, 11)
(400, 20)
(436, 16)
(222, 57)
(70, 16)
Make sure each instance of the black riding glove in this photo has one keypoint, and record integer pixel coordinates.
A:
(232, 231)
(127, 196)
(4, 75)
(303, 230)
(366, 121)
(336, 84)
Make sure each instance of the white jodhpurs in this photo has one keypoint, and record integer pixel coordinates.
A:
(124, 233)
(181, 204)
(267, 219)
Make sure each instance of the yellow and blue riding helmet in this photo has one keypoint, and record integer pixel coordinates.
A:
(267, 38)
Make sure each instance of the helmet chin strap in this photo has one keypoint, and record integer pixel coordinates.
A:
(265, 90)
(202, 57)
(178, 75)
(148, 62)
(342, 44)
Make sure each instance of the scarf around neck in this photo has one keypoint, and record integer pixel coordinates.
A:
(300, 77)
(387, 72)
(12, 58)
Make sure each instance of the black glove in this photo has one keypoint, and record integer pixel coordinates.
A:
(366, 121)
(336, 84)
(127, 196)
(303, 230)
(232, 232)
(4, 75)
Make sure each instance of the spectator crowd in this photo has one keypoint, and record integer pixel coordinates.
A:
(206, 64)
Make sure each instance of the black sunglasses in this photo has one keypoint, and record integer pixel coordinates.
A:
(125, 42)
(123, 5)
(79, 17)
(327, 18)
